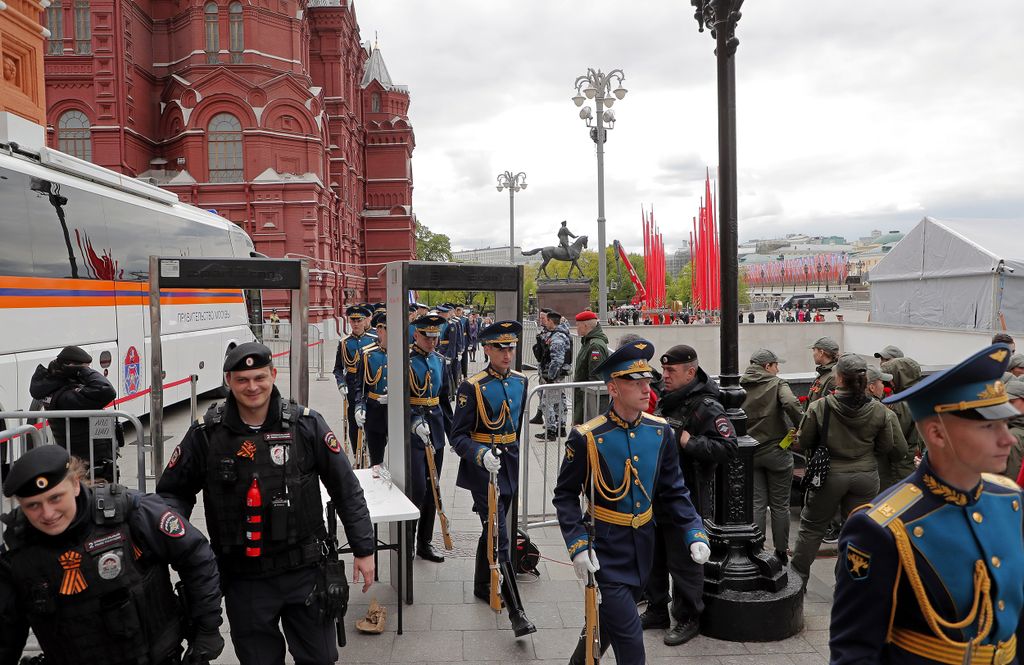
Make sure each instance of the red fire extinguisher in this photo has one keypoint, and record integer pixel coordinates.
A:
(253, 518)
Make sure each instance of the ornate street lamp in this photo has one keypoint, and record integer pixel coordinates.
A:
(595, 85)
(748, 594)
(513, 183)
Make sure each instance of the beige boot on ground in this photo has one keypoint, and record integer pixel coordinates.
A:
(374, 620)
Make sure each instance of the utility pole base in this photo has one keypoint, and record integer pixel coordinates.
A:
(754, 616)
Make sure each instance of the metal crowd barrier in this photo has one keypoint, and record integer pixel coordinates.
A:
(277, 337)
(549, 471)
(101, 422)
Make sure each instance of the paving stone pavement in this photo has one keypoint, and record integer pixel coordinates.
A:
(447, 624)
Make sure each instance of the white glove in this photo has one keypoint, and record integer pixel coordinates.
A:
(422, 430)
(700, 553)
(383, 399)
(585, 562)
(360, 416)
(491, 462)
(343, 389)
(447, 361)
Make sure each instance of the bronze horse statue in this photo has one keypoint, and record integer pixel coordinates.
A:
(559, 253)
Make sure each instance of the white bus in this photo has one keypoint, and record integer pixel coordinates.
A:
(75, 241)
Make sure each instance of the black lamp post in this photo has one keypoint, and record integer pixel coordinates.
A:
(748, 595)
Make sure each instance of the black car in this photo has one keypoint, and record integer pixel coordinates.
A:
(820, 304)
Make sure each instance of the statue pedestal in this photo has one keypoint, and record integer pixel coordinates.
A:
(568, 297)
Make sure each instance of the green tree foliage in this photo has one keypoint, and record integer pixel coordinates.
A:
(432, 246)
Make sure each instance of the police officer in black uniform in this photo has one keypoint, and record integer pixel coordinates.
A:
(706, 438)
(86, 569)
(259, 460)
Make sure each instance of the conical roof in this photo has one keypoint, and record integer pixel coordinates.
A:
(376, 70)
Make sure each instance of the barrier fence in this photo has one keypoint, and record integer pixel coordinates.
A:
(549, 460)
(277, 337)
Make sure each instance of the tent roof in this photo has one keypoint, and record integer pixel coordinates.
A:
(951, 248)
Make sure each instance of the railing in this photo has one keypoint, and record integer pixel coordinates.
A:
(277, 337)
(548, 470)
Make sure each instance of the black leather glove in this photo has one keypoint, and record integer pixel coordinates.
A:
(204, 647)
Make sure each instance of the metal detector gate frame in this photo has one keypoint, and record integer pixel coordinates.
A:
(402, 277)
(225, 273)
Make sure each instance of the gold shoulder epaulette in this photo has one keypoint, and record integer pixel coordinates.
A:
(1002, 481)
(655, 419)
(475, 379)
(519, 374)
(896, 504)
(863, 506)
(591, 424)
(370, 347)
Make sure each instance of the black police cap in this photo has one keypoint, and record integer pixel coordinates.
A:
(250, 355)
(678, 354)
(74, 354)
(37, 471)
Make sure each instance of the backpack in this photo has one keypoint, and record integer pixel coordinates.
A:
(527, 555)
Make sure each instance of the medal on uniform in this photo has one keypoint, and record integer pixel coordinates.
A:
(279, 454)
(109, 565)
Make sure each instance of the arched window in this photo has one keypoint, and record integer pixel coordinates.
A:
(212, 31)
(55, 24)
(83, 28)
(375, 103)
(237, 32)
(225, 146)
(74, 136)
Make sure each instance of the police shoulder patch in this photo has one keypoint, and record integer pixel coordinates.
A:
(175, 456)
(172, 525)
(332, 442)
(858, 562)
(723, 426)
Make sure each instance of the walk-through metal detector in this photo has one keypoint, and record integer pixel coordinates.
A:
(403, 277)
(225, 273)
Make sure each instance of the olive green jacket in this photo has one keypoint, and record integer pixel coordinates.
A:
(855, 434)
(768, 403)
(823, 384)
(593, 351)
(899, 462)
(1013, 464)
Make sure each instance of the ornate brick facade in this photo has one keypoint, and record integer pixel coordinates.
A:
(271, 112)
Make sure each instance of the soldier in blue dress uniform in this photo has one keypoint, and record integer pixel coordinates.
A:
(932, 570)
(371, 396)
(485, 434)
(428, 400)
(349, 353)
(637, 464)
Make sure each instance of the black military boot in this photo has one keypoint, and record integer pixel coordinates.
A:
(538, 418)
(482, 572)
(510, 594)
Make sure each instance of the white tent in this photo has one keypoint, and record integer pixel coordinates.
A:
(953, 274)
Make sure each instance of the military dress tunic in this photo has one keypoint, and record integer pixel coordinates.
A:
(428, 399)
(347, 371)
(639, 465)
(489, 410)
(372, 386)
(926, 537)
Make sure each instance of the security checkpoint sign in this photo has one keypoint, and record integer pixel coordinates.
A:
(101, 427)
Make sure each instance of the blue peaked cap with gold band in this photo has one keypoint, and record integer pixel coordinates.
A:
(504, 334)
(628, 362)
(358, 312)
(429, 324)
(973, 389)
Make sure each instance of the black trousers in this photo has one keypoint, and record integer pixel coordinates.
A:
(672, 560)
(257, 609)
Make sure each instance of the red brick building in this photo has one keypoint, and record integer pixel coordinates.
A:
(271, 112)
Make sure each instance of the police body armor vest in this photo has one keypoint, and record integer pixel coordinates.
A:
(101, 600)
(292, 519)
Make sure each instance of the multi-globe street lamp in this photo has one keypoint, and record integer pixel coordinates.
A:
(513, 183)
(595, 85)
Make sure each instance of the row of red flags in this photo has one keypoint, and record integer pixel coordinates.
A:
(705, 287)
(654, 260)
(831, 268)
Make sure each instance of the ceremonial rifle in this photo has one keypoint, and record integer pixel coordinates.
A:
(492, 536)
(362, 460)
(428, 448)
(591, 622)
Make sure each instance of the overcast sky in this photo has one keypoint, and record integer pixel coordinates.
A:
(851, 116)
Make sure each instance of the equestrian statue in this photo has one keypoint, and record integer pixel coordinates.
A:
(562, 252)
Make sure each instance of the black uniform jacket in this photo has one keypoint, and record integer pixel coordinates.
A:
(185, 474)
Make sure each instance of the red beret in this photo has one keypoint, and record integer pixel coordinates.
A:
(586, 315)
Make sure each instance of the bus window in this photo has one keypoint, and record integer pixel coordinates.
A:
(15, 259)
(137, 231)
(182, 237)
(69, 235)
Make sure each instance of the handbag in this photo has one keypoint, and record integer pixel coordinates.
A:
(820, 462)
